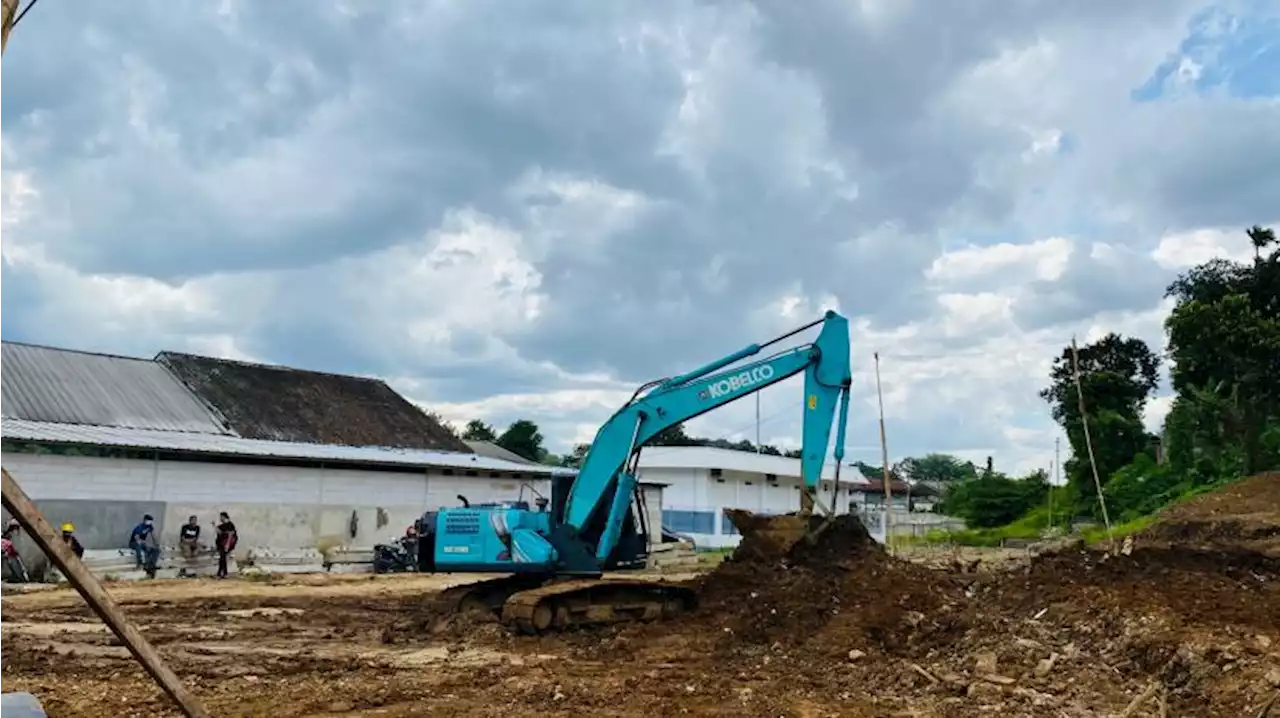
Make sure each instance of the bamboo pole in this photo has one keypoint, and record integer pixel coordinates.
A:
(884, 457)
(1088, 440)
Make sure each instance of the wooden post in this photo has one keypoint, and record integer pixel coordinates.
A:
(10, 13)
(20, 506)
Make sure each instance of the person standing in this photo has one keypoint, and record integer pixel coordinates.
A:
(225, 541)
(69, 538)
(12, 560)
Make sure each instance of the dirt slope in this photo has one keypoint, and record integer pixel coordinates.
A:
(1243, 515)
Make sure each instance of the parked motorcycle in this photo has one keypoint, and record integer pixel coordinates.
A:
(398, 557)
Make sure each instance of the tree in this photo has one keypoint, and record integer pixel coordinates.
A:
(574, 458)
(444, 424)
(673, 436)
(523, 438)
(1261, 239)
(1224, 340)
(477, 430)
(938, 468)
(1117, 376)
(993, 499)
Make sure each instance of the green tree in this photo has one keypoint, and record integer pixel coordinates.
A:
(993, 499)
(1224, 343)
(477, 430)
(444, 424)
(1117, 377)
(673, 435)
(574, 458)
(938, 468)
(523, 438)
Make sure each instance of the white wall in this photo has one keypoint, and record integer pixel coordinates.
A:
(284, 507)
(694, 501)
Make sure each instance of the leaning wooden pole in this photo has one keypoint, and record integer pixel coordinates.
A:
(22, 509)
(1088, 441)
(6, 22)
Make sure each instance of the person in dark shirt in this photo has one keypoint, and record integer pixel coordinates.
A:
(225, 541)
(140, 539)
(69, 537)
(189, 537)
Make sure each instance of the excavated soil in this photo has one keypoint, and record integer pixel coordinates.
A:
(1244, 515)
(837, 628)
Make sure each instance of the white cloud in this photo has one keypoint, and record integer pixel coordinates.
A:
(540, 210)
(1042, 259)
(1183, 250)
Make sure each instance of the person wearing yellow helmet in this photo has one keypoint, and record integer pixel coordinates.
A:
(69, 537)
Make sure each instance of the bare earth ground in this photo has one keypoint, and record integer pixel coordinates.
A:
(841, 629)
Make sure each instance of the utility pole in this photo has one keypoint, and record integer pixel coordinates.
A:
(758, 448)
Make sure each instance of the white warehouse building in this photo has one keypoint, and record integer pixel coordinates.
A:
(299, 459)
(700, 482)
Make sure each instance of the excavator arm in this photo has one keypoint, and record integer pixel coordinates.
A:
(600, 497)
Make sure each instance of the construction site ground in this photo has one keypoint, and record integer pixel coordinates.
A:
(837, 629)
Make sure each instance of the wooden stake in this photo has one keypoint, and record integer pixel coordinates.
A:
(884, 457)
(6, 22)
(1088, 441)
(21, 508)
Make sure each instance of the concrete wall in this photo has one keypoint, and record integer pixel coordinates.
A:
(281, 507)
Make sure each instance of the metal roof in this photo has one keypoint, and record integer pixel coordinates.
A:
(17, 429)
(493, 451)
(74, 387)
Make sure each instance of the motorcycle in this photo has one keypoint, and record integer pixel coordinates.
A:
(398, 557)
(13, 562)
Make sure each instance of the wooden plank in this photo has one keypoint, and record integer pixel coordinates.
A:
(20, 506)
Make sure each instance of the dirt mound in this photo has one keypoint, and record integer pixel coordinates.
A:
(1243, 515)
(842, 588)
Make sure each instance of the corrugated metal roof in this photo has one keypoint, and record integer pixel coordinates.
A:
(73, 387)
(16, 429)
(493, 451)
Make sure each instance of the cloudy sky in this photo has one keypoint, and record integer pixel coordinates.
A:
(525, 208)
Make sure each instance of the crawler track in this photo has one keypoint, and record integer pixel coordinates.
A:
(534, 605)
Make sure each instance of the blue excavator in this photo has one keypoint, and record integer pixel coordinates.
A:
(555, 554)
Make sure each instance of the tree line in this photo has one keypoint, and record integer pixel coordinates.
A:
(1223, 355)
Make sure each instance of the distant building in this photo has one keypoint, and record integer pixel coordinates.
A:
(700, 482)
(296, 457)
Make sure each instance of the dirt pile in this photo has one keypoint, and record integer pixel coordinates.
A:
(1241, 516)
(843, 590)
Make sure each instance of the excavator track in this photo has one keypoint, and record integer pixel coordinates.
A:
(572, 603)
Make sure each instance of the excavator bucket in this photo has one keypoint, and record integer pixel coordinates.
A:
(772, 537)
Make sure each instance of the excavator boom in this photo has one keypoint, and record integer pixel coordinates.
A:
(595, 521)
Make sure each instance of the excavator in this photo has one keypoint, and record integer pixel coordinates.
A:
(554, 555)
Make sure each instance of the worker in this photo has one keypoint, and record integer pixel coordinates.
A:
(224, 541)
(189, 537)
(146, 545)
(69, 538)
(12, 529)
(16, 569)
